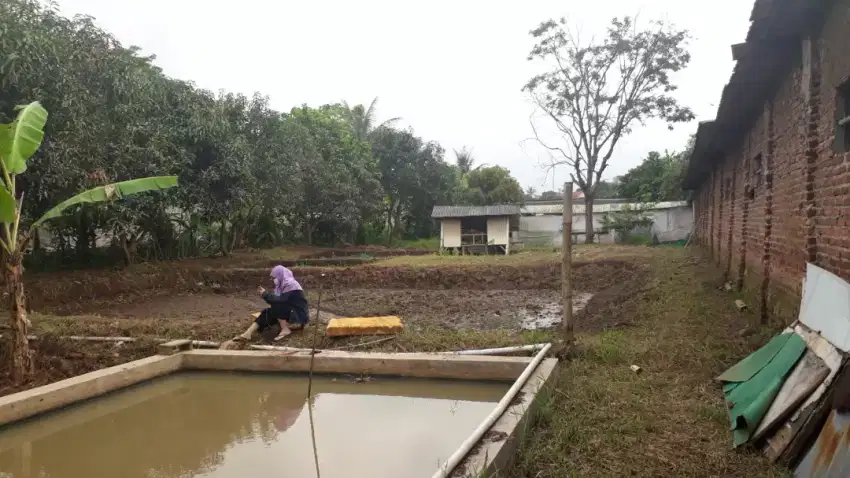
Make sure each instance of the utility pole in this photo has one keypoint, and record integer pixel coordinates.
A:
(566, 263)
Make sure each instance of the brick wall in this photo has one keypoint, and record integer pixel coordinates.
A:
(781, 198)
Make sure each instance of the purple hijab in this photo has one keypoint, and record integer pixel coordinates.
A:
(284, 281)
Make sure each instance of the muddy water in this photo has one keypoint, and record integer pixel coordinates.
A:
(549, 314)
(232, 425)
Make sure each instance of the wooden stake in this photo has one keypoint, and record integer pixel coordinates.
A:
(566, 263)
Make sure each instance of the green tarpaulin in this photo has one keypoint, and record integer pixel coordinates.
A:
(752, 384)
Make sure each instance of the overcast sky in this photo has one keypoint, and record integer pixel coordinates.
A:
(453, 70)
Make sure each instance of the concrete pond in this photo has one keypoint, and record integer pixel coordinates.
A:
(216, 413)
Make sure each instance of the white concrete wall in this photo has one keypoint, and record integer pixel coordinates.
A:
(671, 224)
(498, 230)
(450, 233)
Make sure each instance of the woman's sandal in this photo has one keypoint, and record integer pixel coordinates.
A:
(239, 339)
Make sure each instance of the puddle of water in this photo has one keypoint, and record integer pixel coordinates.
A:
(548, 314)
(230, 425)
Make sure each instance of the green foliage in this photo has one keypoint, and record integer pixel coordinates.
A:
(251, 176)
(20, 140)
(607, 189)
(492, 185)
(110, 192)
(626, 220)
(657, 178)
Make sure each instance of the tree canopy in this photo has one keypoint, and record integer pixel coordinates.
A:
(594, 92)
(249, 175)
(657, 178)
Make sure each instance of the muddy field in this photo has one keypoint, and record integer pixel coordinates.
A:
(193, 300)
(448, 297)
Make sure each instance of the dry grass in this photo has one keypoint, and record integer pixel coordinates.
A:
(581, 252)
(602, 419)
(437, 260)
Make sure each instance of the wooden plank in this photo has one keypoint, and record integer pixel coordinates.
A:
(807, 375)
(567, 263)
(364, 326)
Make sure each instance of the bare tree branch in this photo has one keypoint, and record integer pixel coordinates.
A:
(595, 92)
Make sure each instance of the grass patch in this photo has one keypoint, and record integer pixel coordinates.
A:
(602, 419)
(429, 243)
(445, 259)
(548, 255)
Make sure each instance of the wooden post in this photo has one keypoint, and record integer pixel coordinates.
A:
(566, 263)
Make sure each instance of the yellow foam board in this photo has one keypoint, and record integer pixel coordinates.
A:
(256, 314)
(364, 326)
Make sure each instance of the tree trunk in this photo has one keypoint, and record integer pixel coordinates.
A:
(308, 230)
(222, 239)
(83, 237)
(130, 244)
(588, 219)
(22, 361)
(390, 229)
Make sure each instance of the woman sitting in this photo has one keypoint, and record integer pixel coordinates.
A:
(287, 306)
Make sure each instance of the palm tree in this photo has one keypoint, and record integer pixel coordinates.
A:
(464, 160)
(362, 120)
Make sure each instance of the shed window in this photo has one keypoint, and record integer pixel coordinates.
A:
(842, 118)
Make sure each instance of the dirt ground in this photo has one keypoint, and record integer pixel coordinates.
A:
(189, 299)
(451, 297)
(659, 308)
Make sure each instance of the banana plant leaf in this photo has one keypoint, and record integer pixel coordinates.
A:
(110, 192)
(20, 139)
(7, 206)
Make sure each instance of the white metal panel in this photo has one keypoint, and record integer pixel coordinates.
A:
(548, 223)
(497, 232)
(598, 208)
(451, 232)
(826, 306)
(508, 235)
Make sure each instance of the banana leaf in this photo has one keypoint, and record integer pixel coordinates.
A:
(20, 139)
(110, 192)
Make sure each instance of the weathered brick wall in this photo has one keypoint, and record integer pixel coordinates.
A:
(831, 174)
(781, 198)
(787, 238)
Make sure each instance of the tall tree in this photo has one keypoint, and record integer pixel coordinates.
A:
(658, 178)
(411, 175)
(362, 120)
(493, 185)
(595, 92)
(464, 161)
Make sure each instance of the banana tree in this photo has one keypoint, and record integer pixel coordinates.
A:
(19, 140)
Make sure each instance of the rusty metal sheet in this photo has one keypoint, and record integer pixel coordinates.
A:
(830, 455)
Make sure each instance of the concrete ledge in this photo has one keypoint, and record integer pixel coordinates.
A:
(466, 367)
(175, 346)
(495, 453)
(28, 403)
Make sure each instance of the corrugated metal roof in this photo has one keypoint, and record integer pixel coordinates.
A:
(535, 209)
(468, 211)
